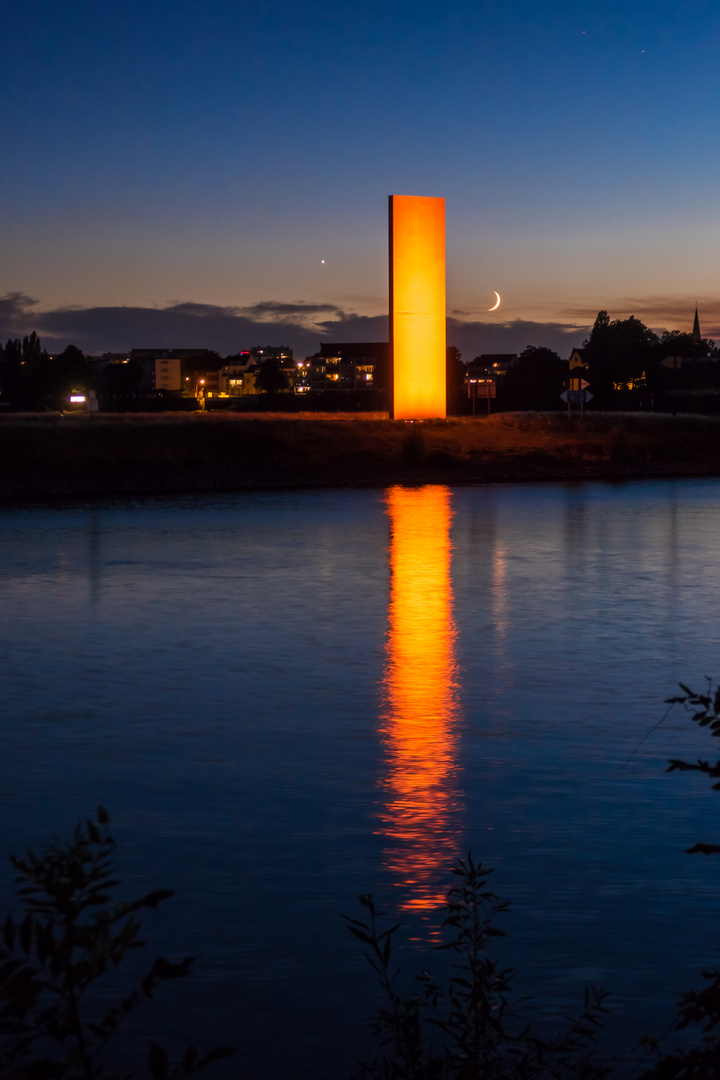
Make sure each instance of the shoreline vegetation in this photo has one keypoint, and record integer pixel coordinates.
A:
(44, 454)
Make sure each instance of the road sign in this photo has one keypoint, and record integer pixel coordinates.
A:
(482, 389)
(576, 397)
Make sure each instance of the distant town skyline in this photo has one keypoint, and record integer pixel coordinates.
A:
(175, 169)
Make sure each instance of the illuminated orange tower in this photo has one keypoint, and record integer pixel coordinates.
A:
(417, 307)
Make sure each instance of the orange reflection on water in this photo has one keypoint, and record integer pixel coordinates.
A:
(421, 697)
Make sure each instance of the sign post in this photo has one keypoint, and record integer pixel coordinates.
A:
(481, 388)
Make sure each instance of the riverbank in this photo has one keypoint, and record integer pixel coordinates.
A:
(45, 455)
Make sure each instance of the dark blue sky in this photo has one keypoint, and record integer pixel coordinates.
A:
(215, 153)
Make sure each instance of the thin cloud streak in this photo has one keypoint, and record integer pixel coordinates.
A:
(301, 325)
(660, 312)
(274, 309)
(474, 337)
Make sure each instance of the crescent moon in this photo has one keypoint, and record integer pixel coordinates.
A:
(496, 305)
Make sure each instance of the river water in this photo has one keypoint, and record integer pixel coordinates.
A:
(285, 700)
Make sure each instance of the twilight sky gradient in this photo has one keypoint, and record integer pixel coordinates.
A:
(175, 170)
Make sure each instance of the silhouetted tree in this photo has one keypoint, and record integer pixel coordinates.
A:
(677, 343)
(271, 378)
(73, 364)
(620, 355)
(31, 350)
(54, 377)
(31, 379)
(11, 371)
(536, 380)
(455, 372)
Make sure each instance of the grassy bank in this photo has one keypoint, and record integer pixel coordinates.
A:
(47, 455)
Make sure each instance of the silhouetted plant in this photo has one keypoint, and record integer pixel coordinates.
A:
(73, 933)
(706, 712)
(469, 1028)
(699, 1008)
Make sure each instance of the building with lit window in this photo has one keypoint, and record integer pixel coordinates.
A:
(237, 378)
(161, 373)
(260, 353)
(491, 365)
(348, 365)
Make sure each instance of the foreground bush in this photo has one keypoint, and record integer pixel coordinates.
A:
(470, 1028)
(697, 1008)
(73, 933)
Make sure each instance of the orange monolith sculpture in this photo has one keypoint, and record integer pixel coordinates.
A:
(417, 307)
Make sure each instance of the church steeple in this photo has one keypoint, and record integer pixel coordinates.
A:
(696, 329)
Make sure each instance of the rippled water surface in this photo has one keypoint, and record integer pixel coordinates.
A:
(287, 699)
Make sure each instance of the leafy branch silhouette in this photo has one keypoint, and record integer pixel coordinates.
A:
(73, 933)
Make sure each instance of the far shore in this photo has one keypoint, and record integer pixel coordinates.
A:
(44, 455)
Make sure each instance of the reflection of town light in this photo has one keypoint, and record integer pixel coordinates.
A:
(417, 307)
(421, 701)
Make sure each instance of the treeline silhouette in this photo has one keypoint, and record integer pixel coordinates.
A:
(31, 379)
(625, 363)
